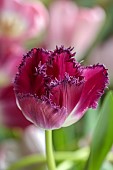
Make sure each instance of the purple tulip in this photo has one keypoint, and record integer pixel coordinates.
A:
(53, 90)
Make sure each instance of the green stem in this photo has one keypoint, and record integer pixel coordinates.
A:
(49, 150)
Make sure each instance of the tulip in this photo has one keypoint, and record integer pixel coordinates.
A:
(53, 90)
(10, 57)
(74, 25)
(22, 20)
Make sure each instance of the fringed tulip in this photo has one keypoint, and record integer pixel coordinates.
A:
(53, 90)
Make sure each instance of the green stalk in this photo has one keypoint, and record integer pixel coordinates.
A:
(49, 150)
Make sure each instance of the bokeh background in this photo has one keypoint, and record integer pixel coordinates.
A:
(86, 25)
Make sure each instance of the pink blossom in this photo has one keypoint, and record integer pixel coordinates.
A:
(10, 115)
(10, 57)
(73, 25)
(34, 138)
(104, 53)
(20, 20)
(53, 90)
(32, 141)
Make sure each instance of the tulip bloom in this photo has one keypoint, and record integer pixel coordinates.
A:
(53, 90)
(73, 25)
(20, 20)
(9, 59)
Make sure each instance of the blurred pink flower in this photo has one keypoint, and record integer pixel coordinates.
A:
(104, 53)
(10, 56)
(32, 141)
(10, 115)
(71, 25)
(20, 20)
(34, 138)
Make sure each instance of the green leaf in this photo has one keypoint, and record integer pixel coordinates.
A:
(103, 135)
(90, 121)
(59, 139)
(63, 138)
(66, 165)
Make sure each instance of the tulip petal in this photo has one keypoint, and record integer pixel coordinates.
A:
(41, 113)
(67, 95)
(29, 75)
(96, 78)
(61, 61)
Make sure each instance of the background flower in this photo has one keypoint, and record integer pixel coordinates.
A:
(103, 53)
(10, 57)
(30, 143)
(74, 26)
(21, 20)
(9, 113)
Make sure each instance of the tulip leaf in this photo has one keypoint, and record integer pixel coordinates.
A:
(59, 139)
(103, 135)
(90, 120)
(63, 138)
(66, 165)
